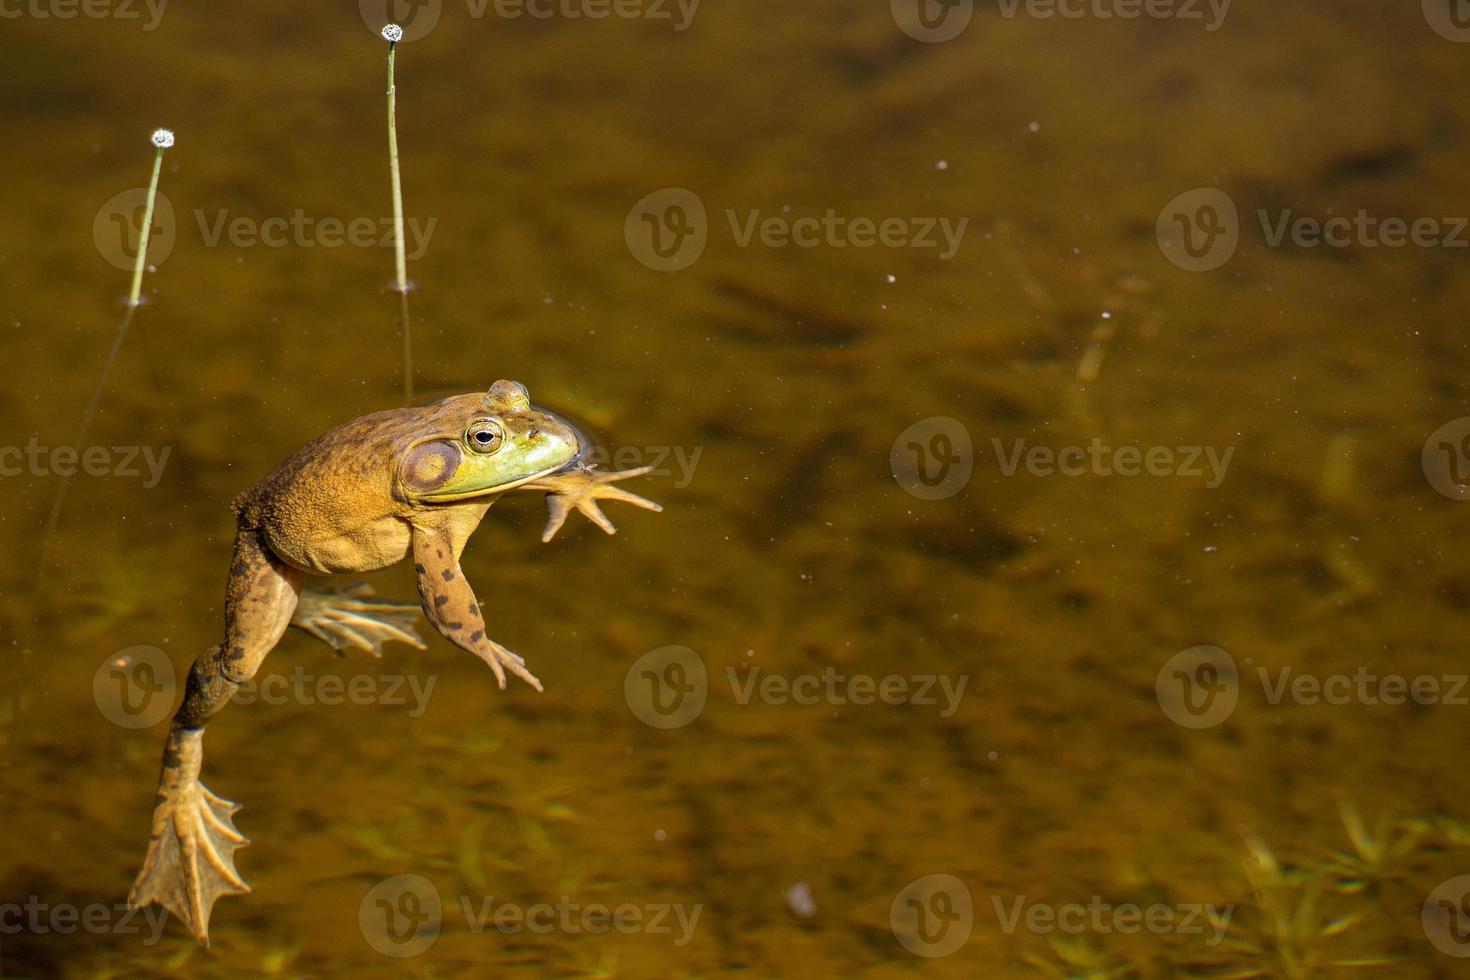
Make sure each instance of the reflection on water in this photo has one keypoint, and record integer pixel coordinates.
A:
(1060, 571)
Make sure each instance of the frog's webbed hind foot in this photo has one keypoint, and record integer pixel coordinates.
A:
(354, 617)
(191, 854)
(581, 488)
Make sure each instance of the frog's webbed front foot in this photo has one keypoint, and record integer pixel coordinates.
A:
(191, 853)
(355, 617)
(581, 487)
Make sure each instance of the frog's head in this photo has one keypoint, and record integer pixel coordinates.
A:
(481, 445)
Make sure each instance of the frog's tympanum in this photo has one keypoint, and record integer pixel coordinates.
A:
(359, 498)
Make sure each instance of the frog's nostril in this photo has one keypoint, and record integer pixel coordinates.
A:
(534, 434)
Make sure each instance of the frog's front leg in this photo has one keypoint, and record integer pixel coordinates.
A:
(190, 860)
(450, 603)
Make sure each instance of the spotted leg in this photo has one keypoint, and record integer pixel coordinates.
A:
(450, 603)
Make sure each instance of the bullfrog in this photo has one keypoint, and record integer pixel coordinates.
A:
(409, 481)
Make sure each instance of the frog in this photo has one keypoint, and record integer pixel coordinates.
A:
(406, 483)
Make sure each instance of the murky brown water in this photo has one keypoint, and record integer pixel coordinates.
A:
(775, 380)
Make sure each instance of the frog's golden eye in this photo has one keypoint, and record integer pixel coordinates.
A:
(484, 436)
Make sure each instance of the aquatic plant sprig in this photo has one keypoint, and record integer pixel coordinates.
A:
(393, 34)
(162, 139)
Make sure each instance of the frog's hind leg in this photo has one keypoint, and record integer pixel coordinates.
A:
(355, 617)
(190, 860)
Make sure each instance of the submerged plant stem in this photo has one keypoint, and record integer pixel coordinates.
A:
(136, 292)
(399, 259)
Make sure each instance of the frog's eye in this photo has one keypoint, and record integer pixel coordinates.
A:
(484, 436)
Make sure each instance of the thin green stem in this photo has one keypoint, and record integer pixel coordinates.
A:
(399, 258)
(143, 233)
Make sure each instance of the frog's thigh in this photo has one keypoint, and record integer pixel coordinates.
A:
(259, 602)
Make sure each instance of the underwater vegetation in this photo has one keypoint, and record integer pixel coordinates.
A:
(1351, 909)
